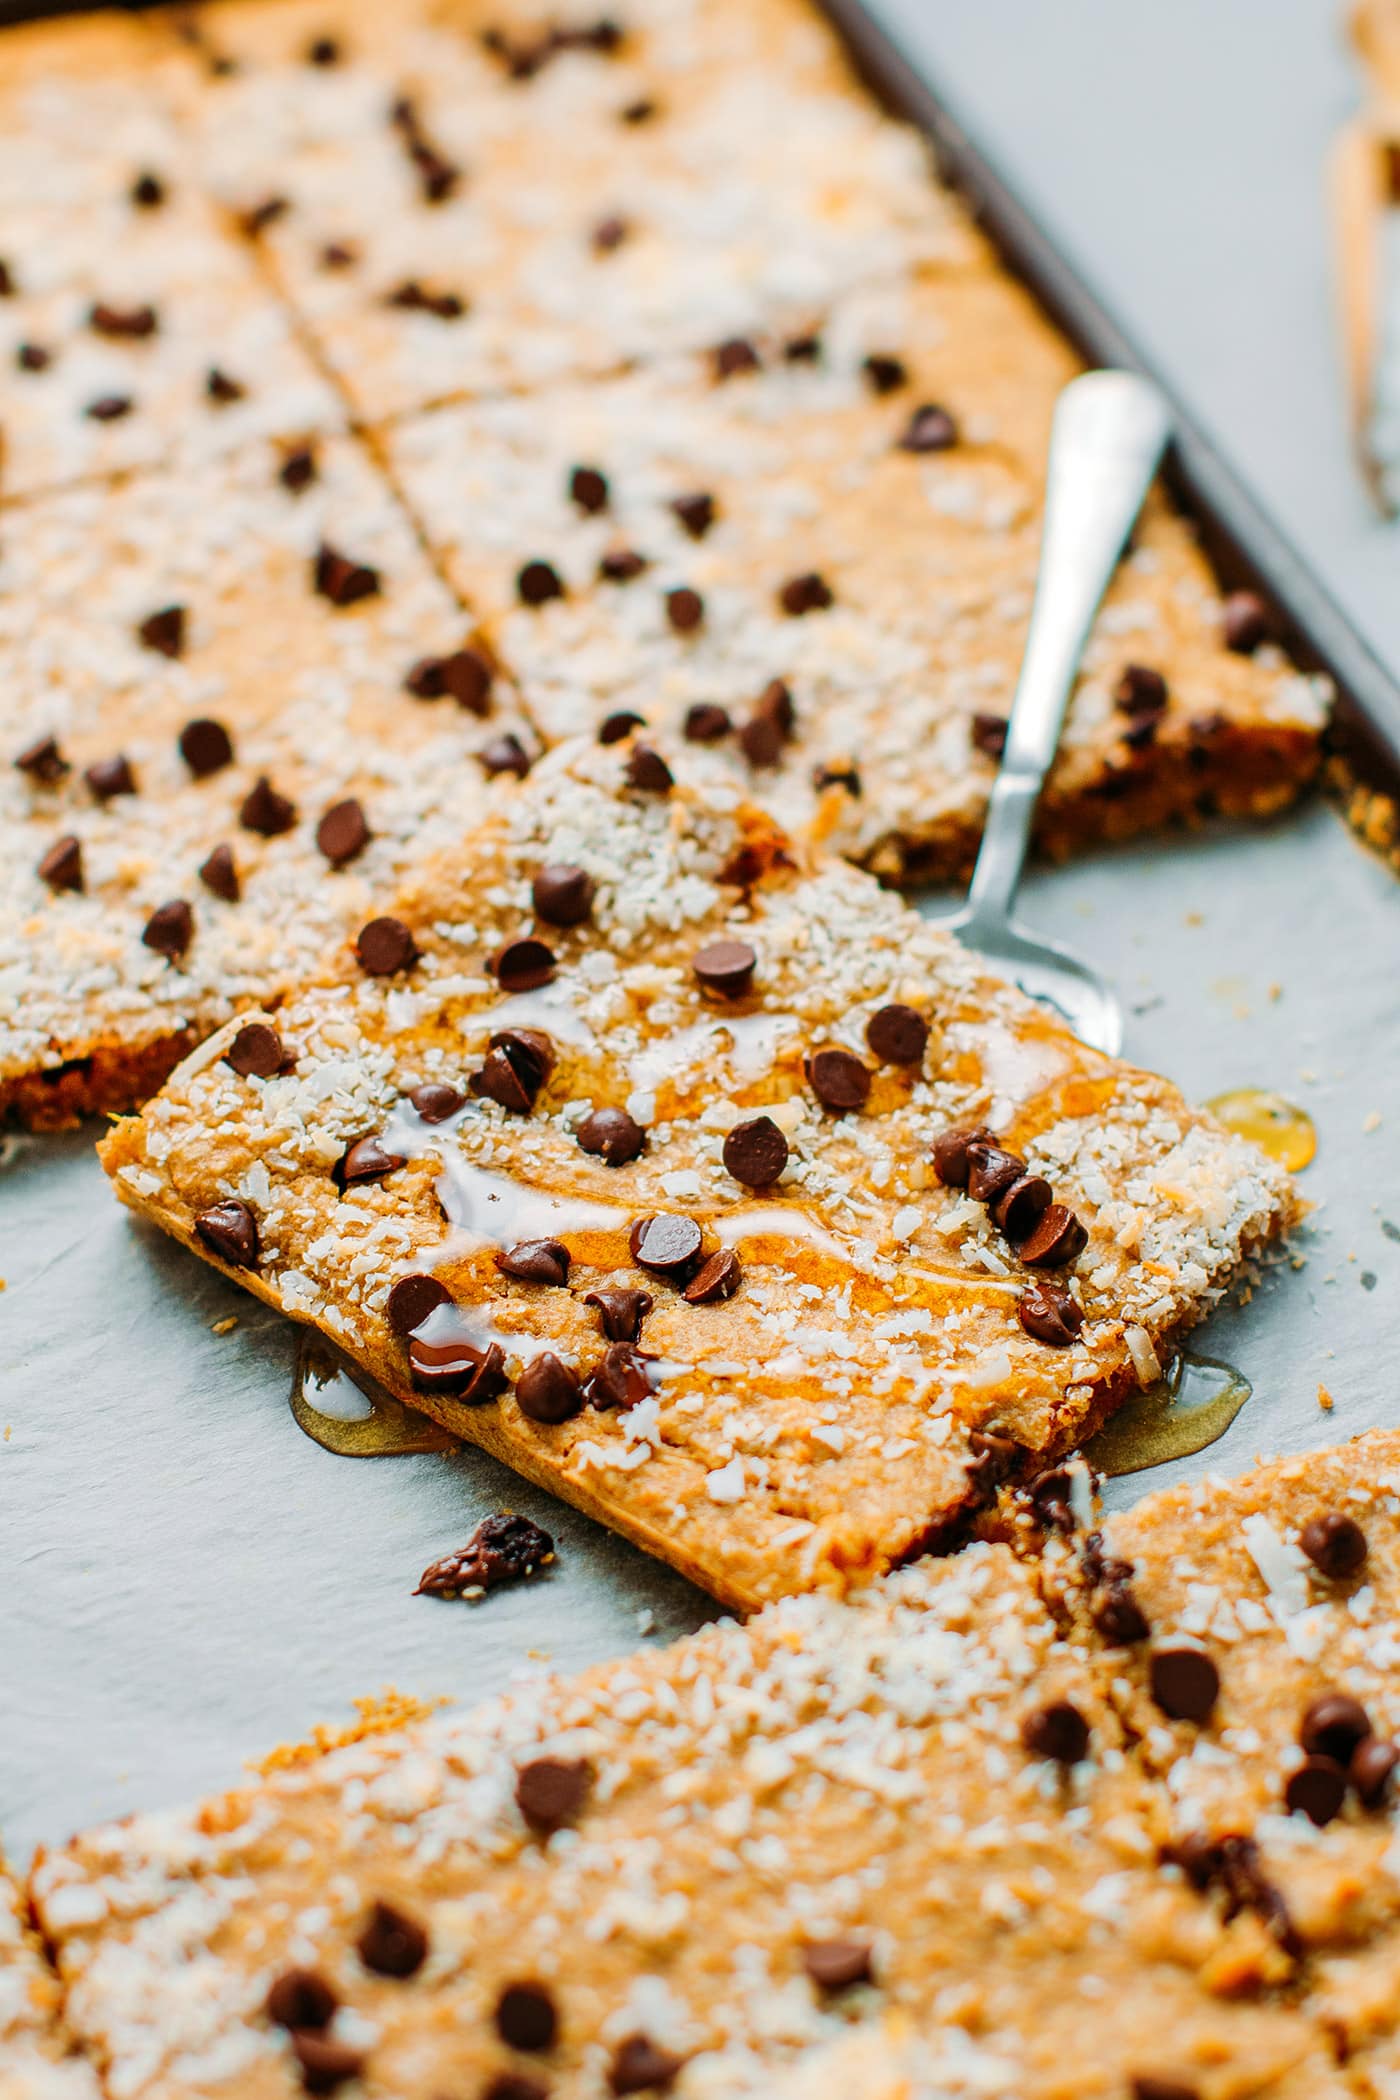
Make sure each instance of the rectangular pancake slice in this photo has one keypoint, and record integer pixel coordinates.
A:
(757, 1050)
(130, 611)
(829, 1841)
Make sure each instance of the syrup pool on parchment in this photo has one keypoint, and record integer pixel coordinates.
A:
(1176, 1416)
(1276, 1126)
(354, 1419)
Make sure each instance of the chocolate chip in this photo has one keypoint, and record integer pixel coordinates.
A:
(385, 946)
(1057, 1240)
(43, 761)
(562, 894)
(1335, 1544)
(770, 726)
(435, 1101)
(323, 51)
(802, 349)
(611, 1134)
(621, 565)
(538, 582)
(885, 374)
(164, 631)
(325, 2064)
(589, 490)
(336, 577)
(7, 281)
(609, 234)
(647, 771)
(33, 357)
(526, 2017)
(951, 1154)
(717, 1279)
(834, 1965)
(734, 356)
(640, 2065)
(108, 777)
(667, 1244)
(1118, 1617)
(994, 1458)
(219, 874)
(1146, 2086)
(343, 832)
(438, 177)
(1058, 1731)
(842, 775)
(518, 1062)
(301, 1999)
(413, 297)
(503, 1548)
(1140, 689)
(221, 389)
(620, 1378)
(988, 734)
(897, 1035)
(231, 1231)
(467, 674)
(838, 1079)
(685, 609)
(133, 324)
(504, 754)
(535, 1261)
(696, 513)
(1019, 1208)
(550, 1791)
(523, 965)
(639, 112)
(366, 1160)
(991, 1170)
(298, 469)
(256, 1051)
(547, 1390)
(1245, 622)
(514, 2085)
(109, 408)
(755, 1152)
(62, 866)
(1372, 1764)
(457, 1368)
(170, 928)
(804, 594)
(258, 217)
(1333, 1725)
(1050, 1315)
(147, 192)
(706, 723)
(205, 746)
(621, 1311)
(726, 967)
(265, 811)
(391, 1943)
(1316, 1789)
(614, 727)
(929, 429)
(412, 1299)
(1184, 1682)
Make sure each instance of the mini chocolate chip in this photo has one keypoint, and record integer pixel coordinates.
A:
(344, 582)
(647, 771)
(33, 357)
(803, 594)
(621, 1310)
(547, 1390)
(685, 609)
(1118, 1617)
(734, 356)
(726, 967)
(259, 216)
(717, 1279)
(265, 811)
(170, 928)
(231, 1231)
(298, 469)
(108, 777)
(412, 1299)
(611, 1134)
(1139, 690)
(1184, 1682)
(609, 234)
(1332, 1726)
(1335, 1544)
(391, 1943)
(325, 2064)
(620, 1378)
(1058, 1731)
(413, 297)
(897, 1035)
(366, 1160)
(621, 565)
(504, 754)
(1050, 1315)
(256, 1051)
(639, 112)
(1316, 1789)
(129, 323)
(614, 727)
(1372, 1763)
(834, 1965)
(1057, 1240)
(550, 1791)
(589, 490)
(994, 1458)
(885, 374)
(457, 1368)
(343, 832)
(535, 1261)
(7, 281)
(301, 1999)
(838, 1079)
(514, 2085)
(1147, 2086)
(562, 894)
(755, 1152)
(385, 946)
(62, 866)
(147, 192)
(164, 631)
(503, 1548)
(1244, 622)
(706, 723)
(323, 51)
(205, 746)
(526, 2017)
(109, 408)
(436, 1101)
(696, 513)
(667, 1244)
(991, 1170)
(988, 733)
(221, 389)
(466, 674)
(537, 582)
(219, 874)
(523, 965)
(1019, 1208)
(929, 429)
(842, 774)
(761, 740)
(43, 761)
(640, 2065)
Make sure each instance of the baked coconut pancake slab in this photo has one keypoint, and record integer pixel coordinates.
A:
(699, 1179)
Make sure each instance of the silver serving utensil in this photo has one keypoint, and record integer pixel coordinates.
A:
(1109, 433)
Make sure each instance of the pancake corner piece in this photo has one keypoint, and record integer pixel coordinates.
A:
(699, 1179)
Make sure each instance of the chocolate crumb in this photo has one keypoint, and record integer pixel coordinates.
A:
(503, 1548)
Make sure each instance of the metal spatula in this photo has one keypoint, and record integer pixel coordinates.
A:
(1109, 434)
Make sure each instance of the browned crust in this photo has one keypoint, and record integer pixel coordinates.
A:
(107, 1079)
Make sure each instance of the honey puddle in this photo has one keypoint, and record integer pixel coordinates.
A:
(332, 1407)
(1193, 1405)
(1286, 1133)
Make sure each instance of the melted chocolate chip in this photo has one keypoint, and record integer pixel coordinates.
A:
(563, 894)
(1335, 1544)
(696, 512)
(550, 1791)
(62, 866)
(951, 1162)
(755, 1152)
(1019, 1209)
(897, 1035)
(325, 2064)
(391, 1943)
(1184, 1682)
(43, 761)
(1317, 1789)
(725, 967)
(108, 777)
(805, 594)
(535, 1261)
(1058, 1731)
(621, 565)
(523, 965)
(537, 582)
(1372, 1764)
(733, 357)
(384, 947)
(885, 374)
(134, 324)
(205, 746)
(466, 674)
(1333, 1725)
(994, 1458)
(589, 490)
(336, 577)
(526, 2017)
(219, 874)
(647, 771)
(412, 1299)
(435, 1101)
(834, 1965)
(620, 1378)
(164, 631)
(667, 1244)
(256, 1051)
(1244, 622)
(621, 1310)
(1117, 1615)
(265, 811)
(366, 1160)
(640, 2065)
(109, 408)
(302, 2000)
(685, 609)
(298, 469)
(1057, 1240)
(1049, 1314)
(929, 429)
(988, 733)
(706, 723)
(614, 727)
(503, 1548)
(717, 1279)
(170, 928)
(991, 1170)
(547, 1390)
(343, 832)
(504, 754)
(230, 1230)
(221, 389)
(458, 1368)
